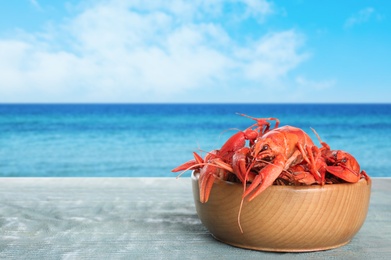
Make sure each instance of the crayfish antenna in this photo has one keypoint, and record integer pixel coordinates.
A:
(189, 168)
(239, 214)
(324, 144)
(263, 120)
(244, 190)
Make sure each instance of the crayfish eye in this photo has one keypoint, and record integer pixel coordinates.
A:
(344, 160)
(265, 147)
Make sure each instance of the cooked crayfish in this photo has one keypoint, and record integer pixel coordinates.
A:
(220, 163)
(284, 147)
(340, 163)
(274, 155)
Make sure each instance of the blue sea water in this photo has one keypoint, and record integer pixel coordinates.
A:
(145, 140)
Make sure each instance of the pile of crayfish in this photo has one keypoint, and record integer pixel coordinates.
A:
(265, 154)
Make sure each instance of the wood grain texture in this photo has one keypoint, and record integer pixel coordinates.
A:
(286, 218)
(143, 218)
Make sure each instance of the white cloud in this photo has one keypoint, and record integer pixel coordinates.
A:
(35, 4)
(360, 17)
(273, 56)
(258, 9)
(144, 51)
(317, 85)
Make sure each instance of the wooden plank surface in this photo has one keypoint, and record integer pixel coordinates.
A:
(142, 218)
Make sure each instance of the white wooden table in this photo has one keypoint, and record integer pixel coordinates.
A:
(142, 218)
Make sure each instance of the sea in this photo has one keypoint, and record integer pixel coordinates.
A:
(149, 140)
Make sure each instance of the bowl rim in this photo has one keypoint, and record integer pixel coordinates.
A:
(195, 177)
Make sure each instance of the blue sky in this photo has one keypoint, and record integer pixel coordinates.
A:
(244, 51)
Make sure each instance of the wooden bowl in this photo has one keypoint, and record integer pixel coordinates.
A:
(285, 218)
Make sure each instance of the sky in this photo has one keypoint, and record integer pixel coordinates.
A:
(177, 51)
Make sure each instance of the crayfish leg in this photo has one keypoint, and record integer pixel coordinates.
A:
(205, 181)
(265, 178)
(185, 166)
(344, 173)
(366, 176)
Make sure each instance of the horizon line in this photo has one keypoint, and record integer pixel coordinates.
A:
(194, 103)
